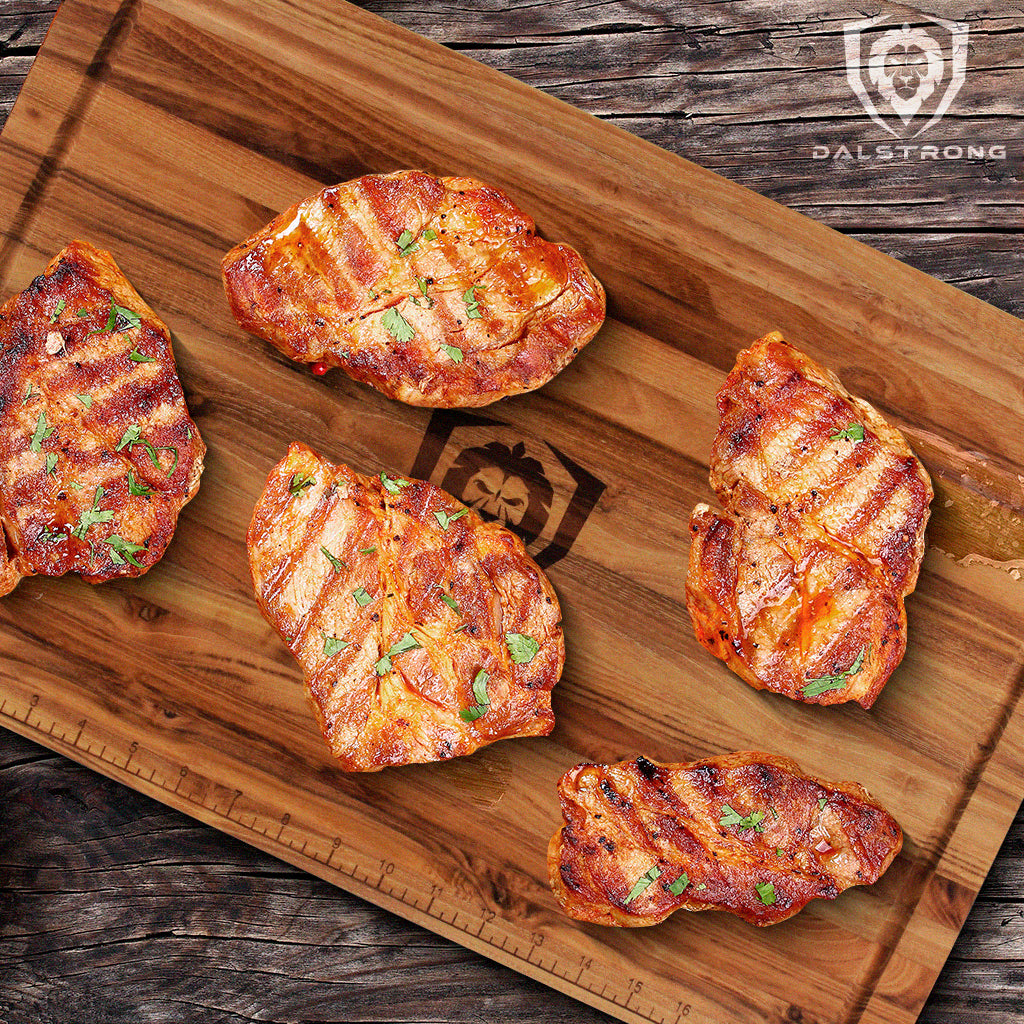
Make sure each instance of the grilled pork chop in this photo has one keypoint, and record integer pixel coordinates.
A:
(799, 586)
(423, 632)
(97, 449)
(435, 291)
(748, 833)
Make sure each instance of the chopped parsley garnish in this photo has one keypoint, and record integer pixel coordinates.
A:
(450, 601)
(679, 884)
(444, 518)
(823, 684)
(731, 817)
(361, 596)
(397, 326)
(122, 550)
(454, 352)
(853, 432)
(523, 648)
(407, 643)
(642, 884)
(50, 535)
(430, 235)
(299, 482)
(120, 318)
(472, 302)
(137, 357)
(133, 436)
(699, 888)
(86, 400)
(61, 306)
(822, 802)
(766, 893)
(134, 487)
(93, 515)
(368, 551)
(41, 434)
(332, 644)
(28, 393)
(336, 563)
(394, 485)
(422, 284)
(51, 462)
(483, 702)
(406, 242)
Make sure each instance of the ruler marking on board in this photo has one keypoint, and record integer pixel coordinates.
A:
(137, 752)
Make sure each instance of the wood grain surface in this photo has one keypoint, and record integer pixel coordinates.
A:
(945, 903)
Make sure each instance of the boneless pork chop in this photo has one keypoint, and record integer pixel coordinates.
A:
(799, 585)
(435, 291)
(748, 833)
(423, 632)
(98, 453)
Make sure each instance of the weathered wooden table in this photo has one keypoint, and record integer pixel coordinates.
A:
(114, 908)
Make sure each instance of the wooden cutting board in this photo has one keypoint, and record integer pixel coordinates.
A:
(168, 130)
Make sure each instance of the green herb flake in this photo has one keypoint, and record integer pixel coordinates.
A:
(299, 482)
(642, 884)
(483, 701)
(450, 601)
(700, 888)
(397, 326)
(823, 684)
(521, 647)
(51, 462)
(394, 485)
(28, 393)
(822, 802)
(127, 319)
(137, 357)
(852, 432)
(454, 353)
(91, 516)
(61, 306)
(122, 550)
(368, 551)
(766, 893)
(406, 242)
(133, 436)
(76, 485)
(80, 313)
(422, 284)
(86, 400)
(731, 817)
(49, 535)
(361, 596)
(472, 302)
(445, 519)
(41, 434)
(677, 887)
(430, 235)
(134, 487)
(332, 644)
(336, 563)
(406, 643)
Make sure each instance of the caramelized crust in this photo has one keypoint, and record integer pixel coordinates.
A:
(348, 568)
(374, 276)
(97, 449)
(748, 833)
(799, 585)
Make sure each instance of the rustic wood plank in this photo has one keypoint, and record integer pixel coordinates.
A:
(941, 256)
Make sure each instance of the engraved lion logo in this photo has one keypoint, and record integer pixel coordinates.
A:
(905, 65)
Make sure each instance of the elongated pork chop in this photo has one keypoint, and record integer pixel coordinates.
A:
(748, 833)
(423, 632)
(435, 291)
(799, 585)
(98, 453)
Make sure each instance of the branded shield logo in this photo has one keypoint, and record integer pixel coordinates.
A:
(524, 483)
(906, 70)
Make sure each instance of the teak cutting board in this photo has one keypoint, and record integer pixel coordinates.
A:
(166, 131)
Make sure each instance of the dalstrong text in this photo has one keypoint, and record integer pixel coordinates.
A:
(907, 151)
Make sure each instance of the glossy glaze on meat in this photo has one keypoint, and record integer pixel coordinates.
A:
(435, 291)
(423, 632)
(748, 833)
(799, 585)
(97, 449)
